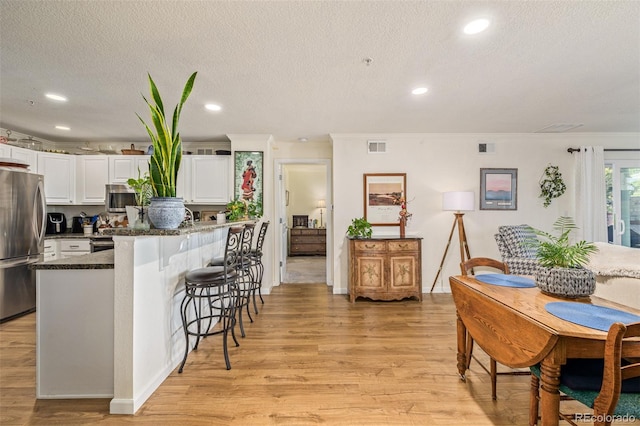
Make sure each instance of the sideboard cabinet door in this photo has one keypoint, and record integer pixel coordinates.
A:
(385, 269)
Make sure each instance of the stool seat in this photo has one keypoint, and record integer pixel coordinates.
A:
(209, 275)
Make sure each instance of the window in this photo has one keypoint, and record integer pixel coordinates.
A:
(623, 202)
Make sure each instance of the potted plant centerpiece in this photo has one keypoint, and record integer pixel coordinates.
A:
(166, 211)
(240, 209)
(137, 215)
(359, 228)
(561, 271)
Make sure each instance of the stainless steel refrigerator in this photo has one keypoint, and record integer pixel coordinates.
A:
(22, 229)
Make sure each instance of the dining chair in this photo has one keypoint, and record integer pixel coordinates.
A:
(466, 268)
(611, 386)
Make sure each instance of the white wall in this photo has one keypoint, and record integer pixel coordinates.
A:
(436, 163)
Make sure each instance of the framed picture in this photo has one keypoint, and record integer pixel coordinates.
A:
(248, 185)
(382, 194)
(498, 189)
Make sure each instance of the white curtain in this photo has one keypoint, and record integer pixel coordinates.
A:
(591, 211)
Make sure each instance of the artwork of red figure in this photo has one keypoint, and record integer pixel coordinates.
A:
(248, 180)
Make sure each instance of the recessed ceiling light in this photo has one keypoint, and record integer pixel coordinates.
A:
(477, 26)
(63, 128)
(303, 140)
(55, 97)
(213, 107)
(419, 90)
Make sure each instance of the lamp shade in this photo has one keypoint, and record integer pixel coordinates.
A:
(321, 204)
(458, 200)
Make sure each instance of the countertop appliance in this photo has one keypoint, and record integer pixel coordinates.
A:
(118, 196)
(101, 243)
(22, 226)
(76, 224)
(56, 223)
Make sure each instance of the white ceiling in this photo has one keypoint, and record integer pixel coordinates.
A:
(296, 69)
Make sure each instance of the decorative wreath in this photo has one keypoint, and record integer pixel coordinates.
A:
(551, 184)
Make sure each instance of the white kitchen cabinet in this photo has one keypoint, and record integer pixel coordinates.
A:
(123, 167)
(51, 251)
(74, 247)
(183, 185)
(59, 171)
(206, 179)
(28, 156)
(92, 175)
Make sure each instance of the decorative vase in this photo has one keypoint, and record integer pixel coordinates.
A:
(137, 217)
(166, 212)
(571, 283)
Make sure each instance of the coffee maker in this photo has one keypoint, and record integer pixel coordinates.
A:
(76, 224)
(56, 223)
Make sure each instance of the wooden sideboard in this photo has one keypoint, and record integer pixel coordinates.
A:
(307, 241)
(385, 268)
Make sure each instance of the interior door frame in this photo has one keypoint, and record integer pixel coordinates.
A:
(281, 200)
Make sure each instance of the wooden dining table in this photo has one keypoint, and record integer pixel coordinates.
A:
(513, 327)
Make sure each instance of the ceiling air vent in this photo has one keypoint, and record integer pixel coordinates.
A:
(559, 128)
(377, 147)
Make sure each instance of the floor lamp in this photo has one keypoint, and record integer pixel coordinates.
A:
(321, 205)
(457, 201)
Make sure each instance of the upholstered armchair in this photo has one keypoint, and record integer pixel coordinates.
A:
(515, 252)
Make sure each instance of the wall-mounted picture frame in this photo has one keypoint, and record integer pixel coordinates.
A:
(382, 194)
(248, 172)
(498, 189)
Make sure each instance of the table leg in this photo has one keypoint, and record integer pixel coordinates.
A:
(549, 392)
(462, 347)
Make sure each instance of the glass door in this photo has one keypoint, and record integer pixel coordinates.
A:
(623, 202)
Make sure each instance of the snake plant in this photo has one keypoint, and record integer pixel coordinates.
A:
(167, 144)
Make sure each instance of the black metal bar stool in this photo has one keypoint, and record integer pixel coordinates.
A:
(244, 279)
(212, 293)
(257, 266)
(245, 273)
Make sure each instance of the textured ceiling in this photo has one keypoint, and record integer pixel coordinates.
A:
(295, 68)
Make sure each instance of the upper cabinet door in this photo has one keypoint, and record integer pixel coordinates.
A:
(59, 171)
(28, 156)
(5, 150)
(210, 179)
(123, 167)
(92, 176)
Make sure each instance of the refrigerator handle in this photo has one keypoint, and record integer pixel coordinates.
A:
(39, 204)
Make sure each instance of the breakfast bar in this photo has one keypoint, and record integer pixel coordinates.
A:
(130, 297)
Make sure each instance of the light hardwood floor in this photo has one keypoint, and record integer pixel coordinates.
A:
(310, 357)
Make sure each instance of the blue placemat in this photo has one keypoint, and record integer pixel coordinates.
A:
(592, 316)
(506, 280)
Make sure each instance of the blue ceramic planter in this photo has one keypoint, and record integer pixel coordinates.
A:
(166, 212)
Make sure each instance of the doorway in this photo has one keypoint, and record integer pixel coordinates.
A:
(304, 191)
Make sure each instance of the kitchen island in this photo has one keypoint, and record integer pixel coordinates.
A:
(143, 311)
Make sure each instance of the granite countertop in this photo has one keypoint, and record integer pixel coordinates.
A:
(65, 236)
(182, 230)
(98, 260)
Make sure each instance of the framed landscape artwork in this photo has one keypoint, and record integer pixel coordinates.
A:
(498, 189)
(382, 194)
(247, 183)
